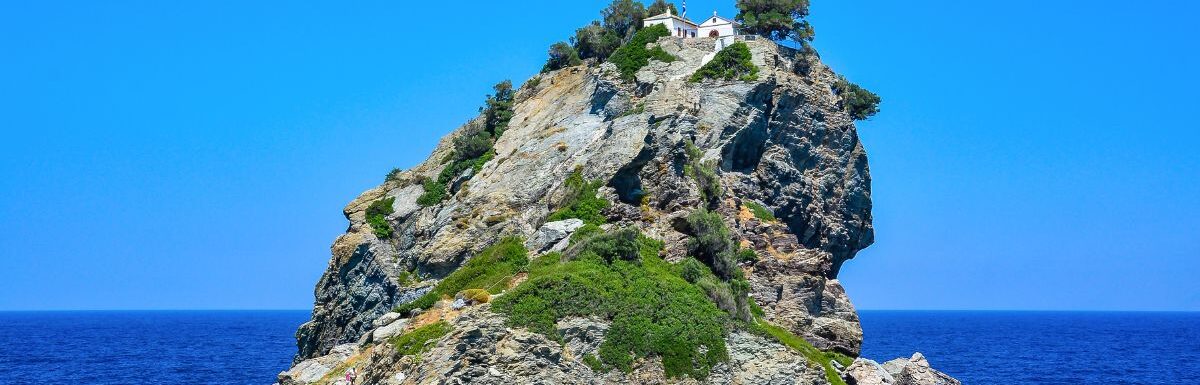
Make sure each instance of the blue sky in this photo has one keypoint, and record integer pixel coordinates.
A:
(196, 155)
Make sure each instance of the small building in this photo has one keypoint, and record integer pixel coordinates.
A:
(717, 26)
(679, 26)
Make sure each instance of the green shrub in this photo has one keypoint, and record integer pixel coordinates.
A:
(492, 269)
(692, 270)
(632, 56)
(393, 175)
(377, 214)
(593, 362)
(704, 174)
(435, 192)
(712, 242)
(621, 244)
(595, 41)
(653, 312)
(857, 101)
(581, 201)
(562, 55)
(760, 212)
(733, 62)
(747, 255)
(420, 339)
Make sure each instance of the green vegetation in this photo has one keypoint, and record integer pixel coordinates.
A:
(492, 269)
(760, 212)
(704, 173)
(857, 101)
(653, 311)
(632, 56)
(731, 63)
(393, 175)
(593, 41)
(420, 339)
(776, 19)
(798, 344)
(623, 17)
(713, 244)
(593, 362)
(562, 55)
(747, 256)
(581, 201)
(660, 7)
(473, 147)
(377, 214)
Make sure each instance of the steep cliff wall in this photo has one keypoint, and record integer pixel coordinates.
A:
(781, 141)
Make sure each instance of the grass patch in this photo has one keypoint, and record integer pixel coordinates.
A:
(733, 62)
(632, 56)
(377, 214)
(581, 201)
(760, 212)
(491, 270)
(823, 358)
(420, 339)
(653, 311)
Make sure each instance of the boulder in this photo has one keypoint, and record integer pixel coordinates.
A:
(551, 233)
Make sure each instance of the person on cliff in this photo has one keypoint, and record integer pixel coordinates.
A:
(351, 375)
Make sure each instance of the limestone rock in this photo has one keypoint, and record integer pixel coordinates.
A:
(551, 233)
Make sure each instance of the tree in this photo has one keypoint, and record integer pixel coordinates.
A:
(857, 101)
(624, 17)
(562, 55)
(659, 7)
(498, 108)
(776, 19)
(595, 41)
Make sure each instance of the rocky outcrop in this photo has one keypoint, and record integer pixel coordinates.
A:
(781, 141)
(900, 371)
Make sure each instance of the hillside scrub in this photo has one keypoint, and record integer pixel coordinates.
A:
(474, 146)
(581, 201)
(492, 270)
(377, 214)
(653, 311)
(419, 340)
(823, 358)
(860, 103)
(732, 63)
(713, 244)
(634, 55)
(562, 55)
(703, 173)
(762, 213)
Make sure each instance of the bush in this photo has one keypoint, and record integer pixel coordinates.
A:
(704, 173)
(393, 175)
(623, 244)
(857, 101)
(562, 55)
(713, 244)
(632, 56)
(692, 270)
(760, 212)
(581, 201)
(653, 312)
(435, 192)
(747, 256)
(377, 214)
(491, 270)
(419, 340)
(733, 62)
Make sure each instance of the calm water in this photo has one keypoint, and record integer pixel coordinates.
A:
(1043, 348)
(252, 347)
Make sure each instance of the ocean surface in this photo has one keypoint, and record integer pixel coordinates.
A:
(252, 347)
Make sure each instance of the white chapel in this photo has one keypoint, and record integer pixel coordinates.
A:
(679, 25)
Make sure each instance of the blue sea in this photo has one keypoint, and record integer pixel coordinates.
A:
(252, 347)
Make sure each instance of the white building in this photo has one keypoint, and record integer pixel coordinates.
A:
(679, 26)
(717, 26)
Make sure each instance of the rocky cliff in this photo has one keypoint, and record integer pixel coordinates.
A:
(790, 182)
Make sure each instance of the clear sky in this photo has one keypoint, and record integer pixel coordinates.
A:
(197, 154)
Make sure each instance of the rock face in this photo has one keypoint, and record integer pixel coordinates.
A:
(781, 141)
